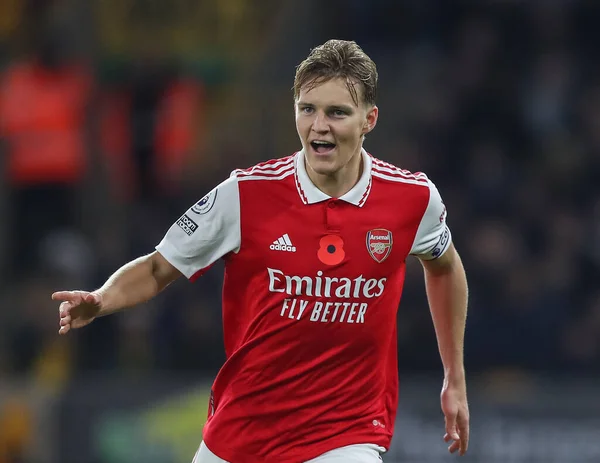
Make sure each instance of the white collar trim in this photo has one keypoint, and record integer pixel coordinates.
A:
(310, 194)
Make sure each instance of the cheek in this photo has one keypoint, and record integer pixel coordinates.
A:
(349, 135)
(301, 127)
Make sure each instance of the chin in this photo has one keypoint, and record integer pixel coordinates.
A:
(326, 170)
(323, 165)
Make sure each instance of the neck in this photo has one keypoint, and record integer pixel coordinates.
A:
(340, 182)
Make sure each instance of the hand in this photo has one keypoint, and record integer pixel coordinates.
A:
(456, 413)
(77, 309)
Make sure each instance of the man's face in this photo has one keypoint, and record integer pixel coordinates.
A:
(331, 125)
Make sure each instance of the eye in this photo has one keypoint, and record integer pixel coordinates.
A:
(338, 113)
(306, 110)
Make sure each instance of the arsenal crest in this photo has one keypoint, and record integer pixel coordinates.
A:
(379, 244)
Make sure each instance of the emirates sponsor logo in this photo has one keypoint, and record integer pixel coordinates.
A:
(324, 286)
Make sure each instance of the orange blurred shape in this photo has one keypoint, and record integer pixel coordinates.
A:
(15, 429)
(42, 116)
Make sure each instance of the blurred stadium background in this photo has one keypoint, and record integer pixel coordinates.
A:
(116, 115)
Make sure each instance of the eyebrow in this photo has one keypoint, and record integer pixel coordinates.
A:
(330, 107)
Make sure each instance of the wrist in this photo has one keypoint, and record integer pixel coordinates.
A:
(454, 376)
(103, 301)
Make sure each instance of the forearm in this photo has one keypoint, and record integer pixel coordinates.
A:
(132, 284)
(447, 294)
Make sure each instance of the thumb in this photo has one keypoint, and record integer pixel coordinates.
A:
(92, 298)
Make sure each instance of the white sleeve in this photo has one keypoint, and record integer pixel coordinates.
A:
(206, 232)
(433, 235)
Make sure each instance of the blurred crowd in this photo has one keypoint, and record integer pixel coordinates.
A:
(103, 147)
(499, 103)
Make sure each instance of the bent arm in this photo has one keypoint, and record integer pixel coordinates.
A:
(136, 282)
(447, 293)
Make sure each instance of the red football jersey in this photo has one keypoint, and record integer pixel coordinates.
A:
(312, 286)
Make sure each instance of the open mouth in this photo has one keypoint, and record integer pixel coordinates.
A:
(322, 147)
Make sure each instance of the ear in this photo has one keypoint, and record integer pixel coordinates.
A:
(370, 120)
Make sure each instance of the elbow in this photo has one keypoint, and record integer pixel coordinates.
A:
(163, 272)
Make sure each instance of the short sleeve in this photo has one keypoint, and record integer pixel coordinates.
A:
(433, 235)
(207, 231)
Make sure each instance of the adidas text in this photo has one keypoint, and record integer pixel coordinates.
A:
(283, 243)
(282, 247)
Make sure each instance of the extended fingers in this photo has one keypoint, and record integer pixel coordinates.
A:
(66, 295)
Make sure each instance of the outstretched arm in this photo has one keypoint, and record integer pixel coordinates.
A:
(447, 292)
(134, 283)
(206, 232)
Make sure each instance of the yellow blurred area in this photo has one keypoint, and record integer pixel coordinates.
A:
(53, 366)
(11, 12)
(186, 28)
(179, 422)
(15, 429)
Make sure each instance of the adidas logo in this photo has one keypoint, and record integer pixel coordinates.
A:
(283, 244)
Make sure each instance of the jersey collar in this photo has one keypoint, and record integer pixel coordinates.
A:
(310, 194)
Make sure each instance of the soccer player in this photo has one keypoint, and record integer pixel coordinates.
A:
(314, 246)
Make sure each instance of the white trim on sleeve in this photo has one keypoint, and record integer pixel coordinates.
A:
(433, 236)
(207, 231)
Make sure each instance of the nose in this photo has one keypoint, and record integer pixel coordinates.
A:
(320, 124)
